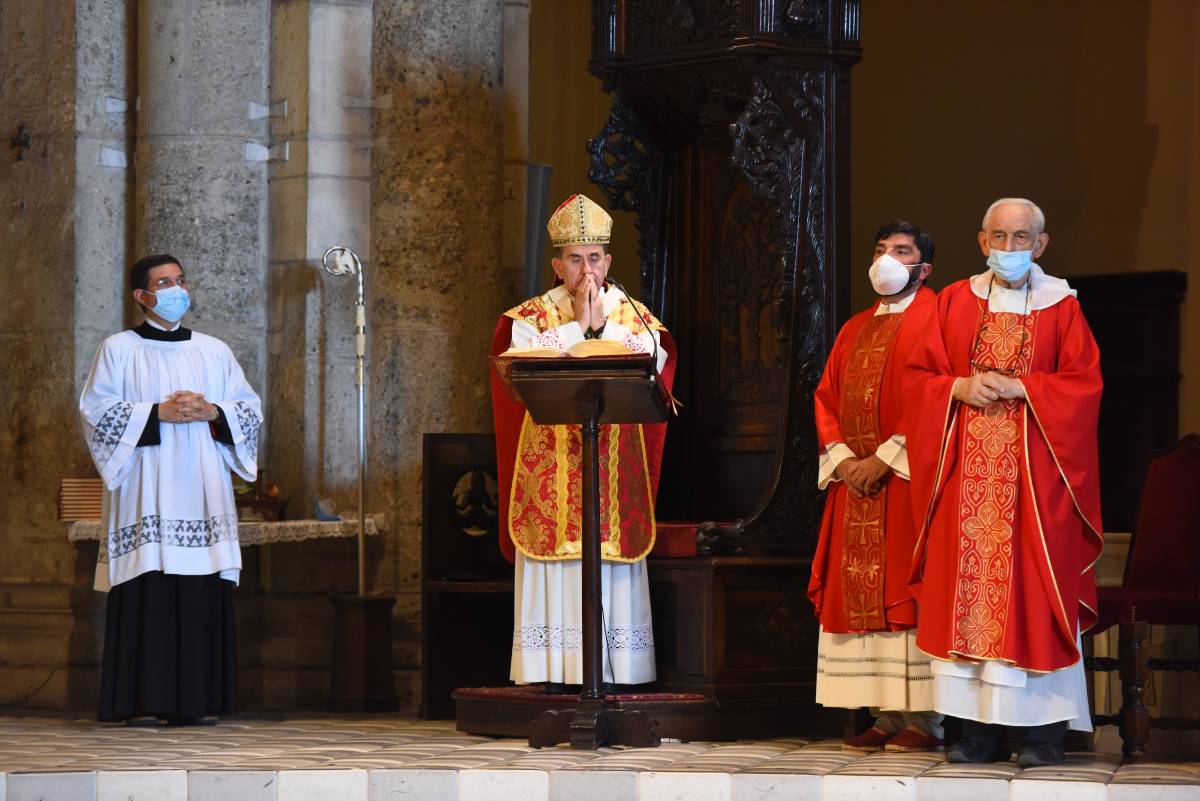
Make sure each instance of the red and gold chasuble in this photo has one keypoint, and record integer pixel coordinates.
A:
(541, 470)
(1006, 498)
(864, 548)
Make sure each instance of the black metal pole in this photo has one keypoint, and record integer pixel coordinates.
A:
(593, 613)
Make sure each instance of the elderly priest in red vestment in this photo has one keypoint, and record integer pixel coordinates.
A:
(866, 652)
(1006, 490)
(540, 471)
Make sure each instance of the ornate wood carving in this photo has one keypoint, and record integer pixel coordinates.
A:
(627, 166)
(806, 18)
(727, 139)
(753, 352)
(739, 257)
(679, 22)
(779, 147)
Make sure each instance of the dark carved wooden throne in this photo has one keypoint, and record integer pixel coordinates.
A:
(729, 140)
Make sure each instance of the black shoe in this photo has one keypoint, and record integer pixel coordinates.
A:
(970, 749)
(1041, 755)
(204, 720)
(144, 721)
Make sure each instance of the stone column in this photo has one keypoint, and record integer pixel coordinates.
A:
(321, 108)
(437, 278)
(320, 196)
(198, 196)
(63, 230)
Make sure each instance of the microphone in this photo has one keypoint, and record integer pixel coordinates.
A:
(638, 312)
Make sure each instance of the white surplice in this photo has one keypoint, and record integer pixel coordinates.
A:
(167, 507)
(547, 608)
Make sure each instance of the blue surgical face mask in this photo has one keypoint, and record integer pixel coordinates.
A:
(1010, 265)
(172, 303)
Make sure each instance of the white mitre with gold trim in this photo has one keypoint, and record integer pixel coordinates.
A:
(579, 221)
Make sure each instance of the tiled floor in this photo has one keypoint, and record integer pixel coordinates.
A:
(321, 759)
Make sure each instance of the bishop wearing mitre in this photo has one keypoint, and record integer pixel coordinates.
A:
(540, 471)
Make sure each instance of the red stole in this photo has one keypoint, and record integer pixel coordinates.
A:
(1006, 497)
(864, 551)
(540, 470)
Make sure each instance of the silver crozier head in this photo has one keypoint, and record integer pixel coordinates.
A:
(341, 260)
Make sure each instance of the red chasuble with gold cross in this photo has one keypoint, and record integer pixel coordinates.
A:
(864, 552)
(540, 468)
(1007, 497)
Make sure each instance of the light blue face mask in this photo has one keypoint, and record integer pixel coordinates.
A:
(1010, 265)
(172, 303)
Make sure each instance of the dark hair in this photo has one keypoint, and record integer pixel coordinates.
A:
(921, 237)
(139, 276)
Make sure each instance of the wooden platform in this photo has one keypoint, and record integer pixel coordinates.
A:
(507, 711)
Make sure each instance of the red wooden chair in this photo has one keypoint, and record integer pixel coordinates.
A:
(1161, 586)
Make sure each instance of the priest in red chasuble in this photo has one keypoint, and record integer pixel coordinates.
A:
(866, 653)
(540, 472)
(1007, 495)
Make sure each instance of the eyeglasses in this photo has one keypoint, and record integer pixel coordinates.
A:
(167, 283)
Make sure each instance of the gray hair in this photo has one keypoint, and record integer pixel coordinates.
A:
(1039, 219)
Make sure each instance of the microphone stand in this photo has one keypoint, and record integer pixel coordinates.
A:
(638, 312)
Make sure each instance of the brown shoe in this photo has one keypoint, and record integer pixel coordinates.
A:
(913, 739)
(873, 739)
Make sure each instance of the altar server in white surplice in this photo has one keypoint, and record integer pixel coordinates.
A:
(167, 415)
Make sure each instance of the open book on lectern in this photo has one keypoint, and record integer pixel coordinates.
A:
(606, 353)
(583, 348)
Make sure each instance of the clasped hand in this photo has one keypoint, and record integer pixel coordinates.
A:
(186, 407)
(589, 311)
(863, 477)
(983, 389)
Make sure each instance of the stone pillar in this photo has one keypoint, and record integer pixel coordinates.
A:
(437, 278)
(320, 196)
(321, 109)
(103, 124)
(199, 196)
(63, 229)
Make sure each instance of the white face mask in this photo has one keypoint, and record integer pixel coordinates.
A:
(889, 275)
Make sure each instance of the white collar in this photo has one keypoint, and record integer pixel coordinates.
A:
(561, 298)
(1044, 290)
(897, 307)
(160, 328)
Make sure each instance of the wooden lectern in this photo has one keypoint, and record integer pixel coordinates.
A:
(588, 392)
